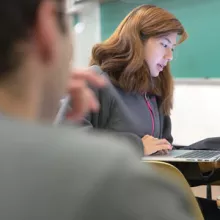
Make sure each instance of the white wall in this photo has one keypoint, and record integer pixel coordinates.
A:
(196, 113)
(90, 17)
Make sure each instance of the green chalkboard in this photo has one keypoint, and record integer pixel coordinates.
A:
(199, 56)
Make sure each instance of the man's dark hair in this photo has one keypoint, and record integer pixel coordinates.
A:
(17, 18)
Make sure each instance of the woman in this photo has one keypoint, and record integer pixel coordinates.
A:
(136, 59)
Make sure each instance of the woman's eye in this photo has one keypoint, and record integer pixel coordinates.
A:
(164, 45)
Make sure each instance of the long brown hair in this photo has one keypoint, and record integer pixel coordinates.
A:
(122, 54)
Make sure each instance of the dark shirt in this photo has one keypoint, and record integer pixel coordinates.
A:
(128, 114)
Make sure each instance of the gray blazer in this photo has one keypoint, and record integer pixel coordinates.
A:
(115, 115)
(65, 174)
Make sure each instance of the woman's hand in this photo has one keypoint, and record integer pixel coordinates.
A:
(152, 145)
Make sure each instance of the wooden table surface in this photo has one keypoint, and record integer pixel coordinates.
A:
(207, 166)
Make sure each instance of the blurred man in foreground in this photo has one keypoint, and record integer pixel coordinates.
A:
(51, 173)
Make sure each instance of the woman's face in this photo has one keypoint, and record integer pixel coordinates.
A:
(158, 51)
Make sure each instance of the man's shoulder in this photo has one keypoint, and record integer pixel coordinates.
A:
(74, 138)
(91, 162)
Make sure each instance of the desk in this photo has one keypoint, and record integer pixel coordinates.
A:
(207, 166)
(200, 173)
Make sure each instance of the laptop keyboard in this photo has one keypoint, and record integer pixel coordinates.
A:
(203, 154)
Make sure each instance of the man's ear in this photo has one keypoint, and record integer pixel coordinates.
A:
(46, 29)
